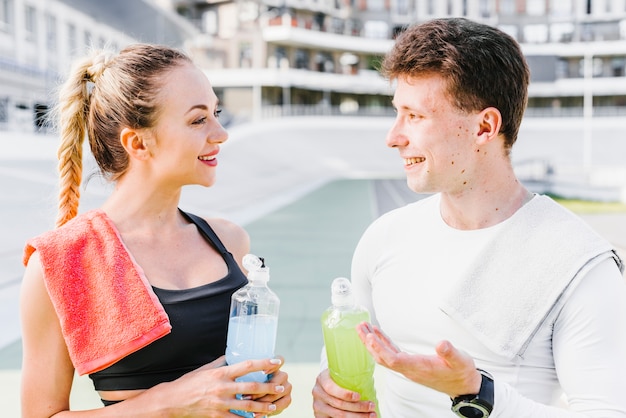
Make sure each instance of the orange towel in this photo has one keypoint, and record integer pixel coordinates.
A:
(104, 302)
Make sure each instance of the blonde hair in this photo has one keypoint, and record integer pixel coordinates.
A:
(103, 94)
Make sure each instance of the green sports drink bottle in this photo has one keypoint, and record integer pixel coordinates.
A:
(350, 364)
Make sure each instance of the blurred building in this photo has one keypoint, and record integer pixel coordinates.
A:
(280, 57)
(40, 38)
(270, 58)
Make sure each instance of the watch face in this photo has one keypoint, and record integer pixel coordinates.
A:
(470, 410)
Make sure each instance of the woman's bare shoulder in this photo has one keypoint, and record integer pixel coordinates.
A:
(234, 237)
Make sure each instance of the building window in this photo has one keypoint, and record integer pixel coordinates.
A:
(561, 69)
(597, 67)
(536, 33)
(536, 7)
(324, 62)
(507, 7)
(484, 8)
(561, 8)
(403, 7)
(618, 67)
(6, 15)
(302, 59)
(4, 110)
(88, 40)
(72, 40)
(278, 59)
(430, 7)
(376, 29)
(209, 22)
(51, 32)
(30, 23)
(562, 32)
(510, 30)
(375, 5)
(245, 55)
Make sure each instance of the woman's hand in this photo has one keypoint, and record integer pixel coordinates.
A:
(281, 396)
(331, 400)
(211, 391)
(450, 370)
(221, 388)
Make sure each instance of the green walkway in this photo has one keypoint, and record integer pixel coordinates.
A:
(306, 245)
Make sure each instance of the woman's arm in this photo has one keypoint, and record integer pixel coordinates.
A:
(47, 371)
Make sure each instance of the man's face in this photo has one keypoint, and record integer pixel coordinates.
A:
(435, 139)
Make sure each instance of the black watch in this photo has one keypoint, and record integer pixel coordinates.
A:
(476, 406)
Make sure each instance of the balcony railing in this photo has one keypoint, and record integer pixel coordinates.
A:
(555, 112)
(277, 111)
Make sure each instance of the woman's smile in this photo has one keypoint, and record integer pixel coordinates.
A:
(209, 159)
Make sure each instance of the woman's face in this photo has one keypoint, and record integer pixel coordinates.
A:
(188, 133)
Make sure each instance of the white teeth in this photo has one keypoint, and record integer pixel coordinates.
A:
(414, 160)
(206, 157)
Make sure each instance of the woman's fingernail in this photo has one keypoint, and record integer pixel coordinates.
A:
(272, 407)
(276, 361)
(279, 389)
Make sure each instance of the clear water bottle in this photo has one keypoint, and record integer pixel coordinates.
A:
(253, 321)
(350, 365)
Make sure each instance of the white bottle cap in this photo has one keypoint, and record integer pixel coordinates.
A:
(257, 272)
(341, 292)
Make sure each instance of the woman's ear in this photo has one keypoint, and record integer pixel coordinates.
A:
(489, 124)
(134, 143)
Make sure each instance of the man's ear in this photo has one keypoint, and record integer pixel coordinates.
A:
(133, 141)
(489, 124)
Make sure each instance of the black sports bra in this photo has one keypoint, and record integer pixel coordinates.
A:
(199, 319)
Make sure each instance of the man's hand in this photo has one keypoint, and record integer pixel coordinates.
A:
(331, 400)
(450, 370)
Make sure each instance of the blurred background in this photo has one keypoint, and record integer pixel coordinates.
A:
(306, 168)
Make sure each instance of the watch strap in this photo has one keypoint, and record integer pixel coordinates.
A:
(479, 405)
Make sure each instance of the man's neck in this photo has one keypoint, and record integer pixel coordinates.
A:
(483, 208)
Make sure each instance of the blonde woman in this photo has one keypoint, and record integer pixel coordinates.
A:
(136, 293)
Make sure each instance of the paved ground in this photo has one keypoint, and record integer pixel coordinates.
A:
(304, 188)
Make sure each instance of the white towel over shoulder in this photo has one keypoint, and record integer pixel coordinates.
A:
(509, 291)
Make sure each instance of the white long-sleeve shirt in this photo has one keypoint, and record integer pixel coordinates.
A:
(401, 269)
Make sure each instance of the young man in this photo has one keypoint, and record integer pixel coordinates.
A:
(486, 298)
